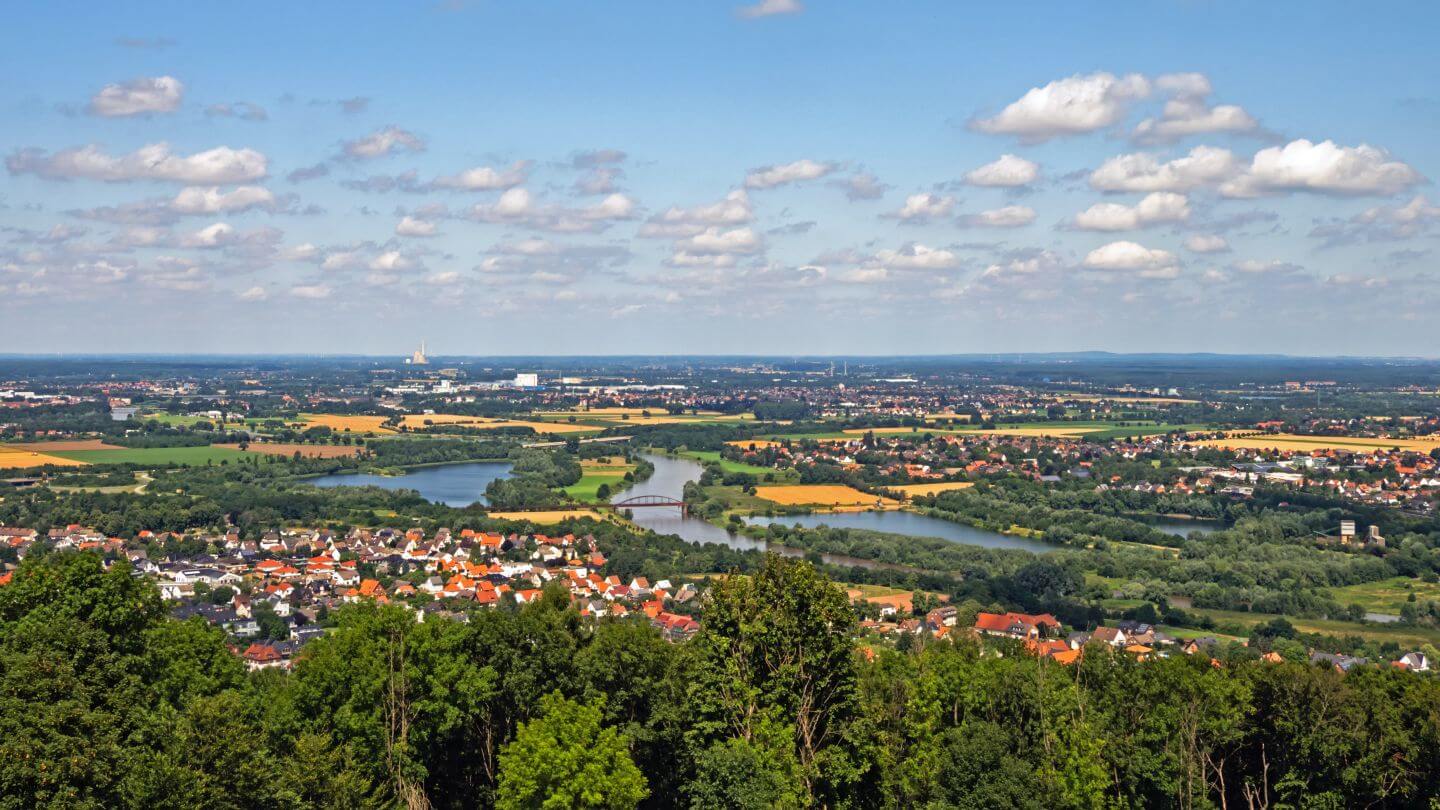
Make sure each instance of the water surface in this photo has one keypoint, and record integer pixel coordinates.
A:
(451, 484)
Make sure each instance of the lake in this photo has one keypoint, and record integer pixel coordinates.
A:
(671, 474)
(910, 523)
(451, 484)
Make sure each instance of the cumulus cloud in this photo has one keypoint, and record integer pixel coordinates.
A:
(716, 241)
(1008, 171)
(486, 178)
(919, 208)
(410, 226)
(212, 200)
(310, 292)
(1258, 267)
(785, 173)
(916, 256)
(142, 96)
(517, 206)
(1011, 216)
(676, 221)
(862, 186)
(1325, 168)
(1382, 223)
(1187, 112)
(218, 166)
(256, 293)
(770, 8)
(1142, 171)
(1130, 257)
(1206, 243)
(1155, 208)
(1070, 106)
(384, 141)
(599, 180)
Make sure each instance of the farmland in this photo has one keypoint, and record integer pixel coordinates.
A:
(156, 456)
(1292, 442)
(305, 450)
(594, 472)
(13, 458)
(912, 490)
(819, 495)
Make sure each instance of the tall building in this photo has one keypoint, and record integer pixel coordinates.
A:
(419, 358)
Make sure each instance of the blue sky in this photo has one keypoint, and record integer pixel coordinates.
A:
(714, 177)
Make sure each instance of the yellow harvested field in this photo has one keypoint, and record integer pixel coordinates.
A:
(1286, 441)
(1054, 433)
(931, 489)
(758, 444)
(820, 495)
(678, 419)
(12, 458)
(551, 516)
(616, 411)
(419, 420)
(346, 422)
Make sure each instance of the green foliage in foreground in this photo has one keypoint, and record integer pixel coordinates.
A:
(106, 702)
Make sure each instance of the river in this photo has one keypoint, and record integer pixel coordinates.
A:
(670, 477)
(451, 484)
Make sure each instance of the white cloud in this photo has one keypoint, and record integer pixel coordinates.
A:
(1187, 112)
(243, 110)
(864, 275)
(1008, 171)
(384, 141)
(735, 209)
(1155, 208)
(410, 226)
(1011, 216)
(443, 279)
(1258, 267)
(1141, 171)
(862, 186)
(211, 200)
(210, 236)
(770, 8)
(1207, 243)
(1070, 106)
(253, 294)
(221, 165)
(1325, 168)
(772, 176)
(313, 292)
(917, 257)
(141, 96)
(390, 261)
(714, 240)
(615, 206)
(487, 178)
(924, 207)
(1131, 257)
(684, 258)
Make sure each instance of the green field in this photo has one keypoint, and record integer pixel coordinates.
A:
(713, 456)
(1404, 636)
(1387, 595)
(179, 420)
(157, 456)
(593, 477)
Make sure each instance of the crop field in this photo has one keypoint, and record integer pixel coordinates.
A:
(346, 423)
(595, 472)
(616, 411)
(1084, 430)
(819, 495)
(289, 450)
(1400, 634)
(713, 456)
(156, 456)
(65, 444)
(13, 458)
(665, 419)
(758, 444)
(1286, 441)
(1387, 595)
(892, 431)
(911, 490)
(414, 421)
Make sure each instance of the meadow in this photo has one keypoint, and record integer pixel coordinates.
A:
(1387, 595)
(156, 456)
